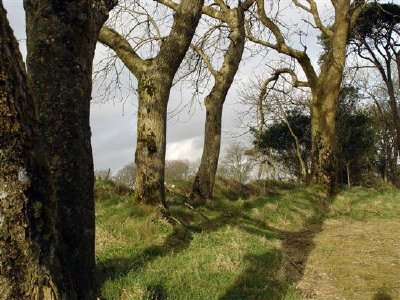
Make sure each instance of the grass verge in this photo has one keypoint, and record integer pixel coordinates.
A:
(254, 248)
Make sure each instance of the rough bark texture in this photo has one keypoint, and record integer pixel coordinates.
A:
(155, 77)
(151, 137)
(205, 177)
(61, 38)
(325, 100)
(29, 260)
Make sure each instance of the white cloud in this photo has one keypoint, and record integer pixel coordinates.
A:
(190, 149)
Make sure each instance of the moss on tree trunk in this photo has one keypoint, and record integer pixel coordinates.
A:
(61, 39)
(29, 258)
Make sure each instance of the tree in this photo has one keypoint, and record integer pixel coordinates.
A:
(126, 175)
(234, 18)
(325, 84)
(177, 170)
(61, 39)
(236, 165)
(375, 39)
(290, 139)
(155, 77)
(30, 259)
(356, 136)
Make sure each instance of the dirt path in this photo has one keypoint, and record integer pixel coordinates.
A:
(354, 260)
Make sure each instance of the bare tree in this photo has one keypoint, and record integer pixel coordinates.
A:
(223, 77)
(325, 84)
(177, 169)
(155, 78)
(126, 175)
(236, 165)
(61, 39)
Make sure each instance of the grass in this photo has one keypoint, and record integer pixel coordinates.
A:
(247, 248)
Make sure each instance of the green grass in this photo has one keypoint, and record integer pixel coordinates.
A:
(228, 249)
(365, 203)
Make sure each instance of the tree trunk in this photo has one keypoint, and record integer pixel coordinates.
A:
(323, 130)
(205, 177)
(325, 101)
(61, 39)
(302, 163)
(395, 111)
(154, 89)
(29, 260)
(348, 174)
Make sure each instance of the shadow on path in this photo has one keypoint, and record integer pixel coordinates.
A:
(290, 261)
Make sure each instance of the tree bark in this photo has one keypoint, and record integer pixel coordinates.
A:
(61, 39)
(154, 89)
(29, 256)
(205, 177)
(325, 101)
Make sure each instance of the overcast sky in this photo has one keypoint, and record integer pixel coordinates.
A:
(114, 123)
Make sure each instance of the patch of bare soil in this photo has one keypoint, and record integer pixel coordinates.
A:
(352, 260)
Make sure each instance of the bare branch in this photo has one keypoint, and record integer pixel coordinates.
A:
(313, 10)
(122, 48)
(205, 58)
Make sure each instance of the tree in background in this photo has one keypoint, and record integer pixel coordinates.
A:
(155, 77)
(61, 39)
(126, 175)
(177, 170)
(102, 174)
(236, 165)
(234, 20)
(287, 140)
(356, 137)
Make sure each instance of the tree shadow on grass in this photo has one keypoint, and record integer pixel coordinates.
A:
(382, 296)
(115, 268)
(276, 281)
(268, 276)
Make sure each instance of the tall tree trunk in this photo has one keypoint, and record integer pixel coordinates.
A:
(154, 89)
(205, 177)
(325, 101)
(348, 173)
(323, 131)
(61, 39)
(29, 257)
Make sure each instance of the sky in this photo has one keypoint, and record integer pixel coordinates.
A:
(113, 123)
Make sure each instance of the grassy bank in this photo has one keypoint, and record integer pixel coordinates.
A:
(247, 248)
